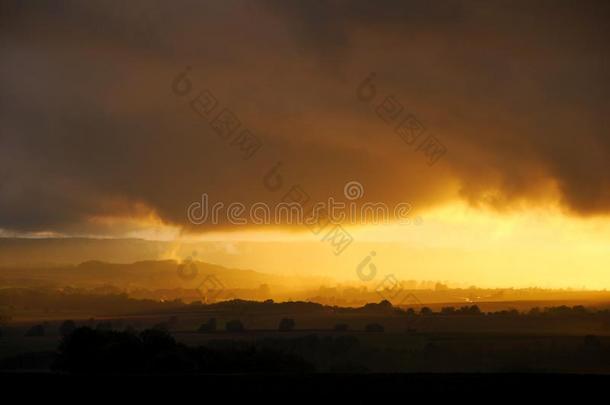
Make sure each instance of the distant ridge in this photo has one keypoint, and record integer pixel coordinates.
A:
(62, 251)
(141, 274)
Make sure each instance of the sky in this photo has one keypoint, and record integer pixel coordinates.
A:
(104, 130)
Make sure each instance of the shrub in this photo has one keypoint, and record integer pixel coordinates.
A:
(286, 325)
(67, 327)
(234, 326)
(341, 327)
(374, 327)
(209, 326)
(36, 330)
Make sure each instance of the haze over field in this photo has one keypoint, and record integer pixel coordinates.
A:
(149, 270)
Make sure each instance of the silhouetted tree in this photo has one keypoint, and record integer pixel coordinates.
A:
(425, 311)
(440, 287)
(36, 330)
(156, 340)
(286, 325)
(104, 325)
(341, 327)
(154, 351)
(341, 345)
(164, 326)
(67, 327)
(374, 327)
(99, 351)
(592, 343)
(385, 304)
(382, 306)
(4, 318)
(448, 310)
(209, 326)
(579, 309)
(475, 310)
(173, 321)
(234, 325)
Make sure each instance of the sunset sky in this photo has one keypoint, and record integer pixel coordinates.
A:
(95, 140)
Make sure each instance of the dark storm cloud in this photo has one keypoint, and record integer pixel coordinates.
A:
(517, 91)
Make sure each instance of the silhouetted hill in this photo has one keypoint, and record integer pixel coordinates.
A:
(144, 274)
(62, 251)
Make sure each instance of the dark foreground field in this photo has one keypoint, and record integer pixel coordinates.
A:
(305, 339)
(156, 352)
(311, 388)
